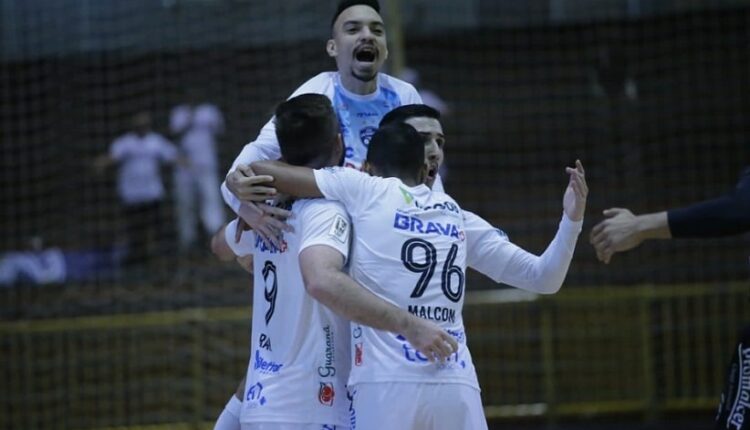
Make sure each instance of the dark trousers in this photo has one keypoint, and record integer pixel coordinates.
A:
(144, 224)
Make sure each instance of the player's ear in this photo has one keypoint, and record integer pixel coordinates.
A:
(331, 48)
(367, 168)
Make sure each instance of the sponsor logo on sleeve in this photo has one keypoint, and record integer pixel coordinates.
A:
(339, 228)
(326, 394)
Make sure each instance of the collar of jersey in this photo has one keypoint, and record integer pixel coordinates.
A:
(353, 96)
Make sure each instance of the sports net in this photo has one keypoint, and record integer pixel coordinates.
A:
(651, 96)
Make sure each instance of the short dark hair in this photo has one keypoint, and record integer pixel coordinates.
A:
(405, 112)
(346, 4)
(397, 150)
(306, 128)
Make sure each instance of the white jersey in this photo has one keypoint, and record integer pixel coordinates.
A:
(299, 355)
(409, 247)
(139, 178)
(358, 115)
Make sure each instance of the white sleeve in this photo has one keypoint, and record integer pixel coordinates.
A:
(245, 246)
(266, 145)
(326, 223)
(348, 186)
(493, 255)
(412, 96)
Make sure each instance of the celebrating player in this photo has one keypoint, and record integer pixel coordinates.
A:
(410, 235)
(360, 96)
(299, 364)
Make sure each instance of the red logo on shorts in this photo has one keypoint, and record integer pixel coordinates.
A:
(358, 354)
(326, 393)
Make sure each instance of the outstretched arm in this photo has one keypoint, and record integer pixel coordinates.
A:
(723, 216)
(325, 280)
(287, 179)
(622, 231)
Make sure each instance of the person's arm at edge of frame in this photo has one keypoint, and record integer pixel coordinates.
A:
(325, 280)
(723, 216)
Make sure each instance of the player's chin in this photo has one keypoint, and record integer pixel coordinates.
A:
(365, 73)
(429, 181)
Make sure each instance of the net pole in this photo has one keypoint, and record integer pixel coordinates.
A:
(396, 48)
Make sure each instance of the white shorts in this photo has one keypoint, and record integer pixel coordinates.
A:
(290, 426)
(416, 406)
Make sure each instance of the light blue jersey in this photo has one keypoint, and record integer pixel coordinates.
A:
(359, 117)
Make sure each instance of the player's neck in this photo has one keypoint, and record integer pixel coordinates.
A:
(357, 86)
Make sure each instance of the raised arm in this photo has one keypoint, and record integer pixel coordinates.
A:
(492, 254)
(325, 280)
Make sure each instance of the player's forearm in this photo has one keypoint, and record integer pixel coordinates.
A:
(346, 297)
(545, 274)
(652, 226)
(295, 181)
(263, 148)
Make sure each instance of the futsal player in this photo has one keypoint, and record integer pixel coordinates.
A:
(361, 95)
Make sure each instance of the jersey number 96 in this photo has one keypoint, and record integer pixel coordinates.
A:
(451, 277)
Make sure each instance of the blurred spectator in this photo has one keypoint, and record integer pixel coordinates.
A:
(196, 130)
(39, 265)
(139, 155)
(429, 97)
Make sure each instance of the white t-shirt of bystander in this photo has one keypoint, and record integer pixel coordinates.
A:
(140, 158)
